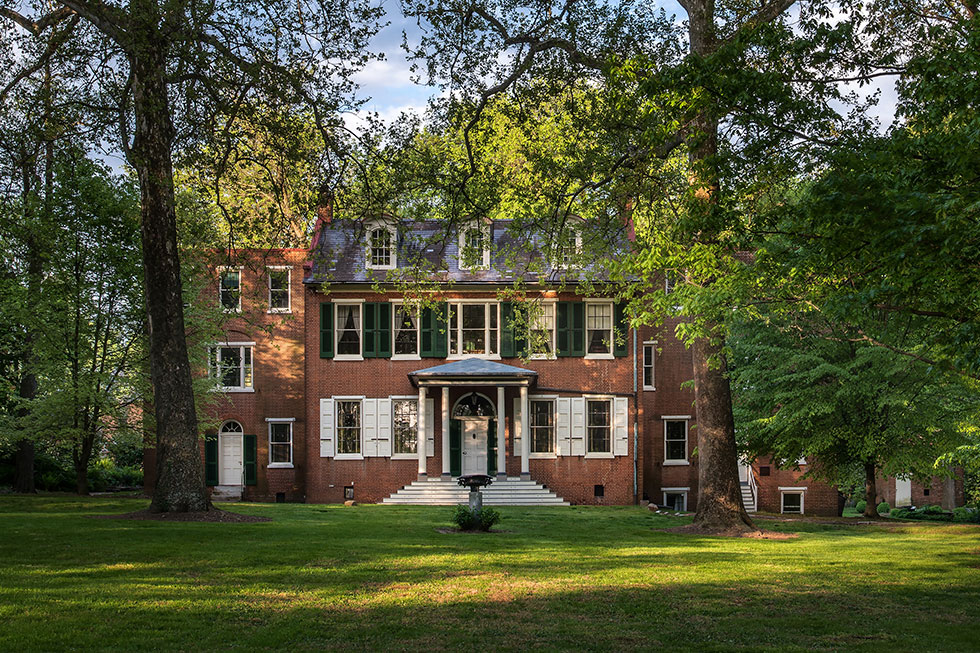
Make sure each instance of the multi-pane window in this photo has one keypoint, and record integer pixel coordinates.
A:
(675, 439)
(280, 443)
(232, 365)
(231, 290)
(649, 356)
(474, 247)
(279, 290)
(675, 501)
(348, 427)
(568, 246)
(381, 250)
(348, 329)
(793, 502)
(598, 328)
(542, 427)
(599, 426)
(406, 323)
(404, 425)
(543, 330)
(473, 329)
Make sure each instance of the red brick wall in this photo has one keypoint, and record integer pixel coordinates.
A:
(818, 499)
(936, 487)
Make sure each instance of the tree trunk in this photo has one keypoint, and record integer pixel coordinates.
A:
(180, 474)
(719, 492)
(24, 467)
(81, 478)
(870, 491)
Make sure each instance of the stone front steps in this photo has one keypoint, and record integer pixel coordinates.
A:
(509, 492)
(226, 493)
(747, 499)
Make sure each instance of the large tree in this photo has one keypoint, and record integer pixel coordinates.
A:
(170, 74)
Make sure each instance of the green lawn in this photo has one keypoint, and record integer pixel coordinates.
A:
(383, 577)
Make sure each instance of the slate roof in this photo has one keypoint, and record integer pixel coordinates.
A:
(338, 256)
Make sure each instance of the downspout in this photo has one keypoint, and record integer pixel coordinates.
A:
(636, 412)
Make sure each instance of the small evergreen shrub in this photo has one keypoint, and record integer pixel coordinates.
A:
(475, 520)
(928, 513)
(883, 508)
(902, 513)
(966, 515)
(861, 505)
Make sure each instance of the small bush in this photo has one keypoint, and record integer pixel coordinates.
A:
(928, 513)
(903, 513)
(475, 520)
(861, 505)
(966, 515)
(883, 508)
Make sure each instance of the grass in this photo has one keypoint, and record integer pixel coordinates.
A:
(383, 577)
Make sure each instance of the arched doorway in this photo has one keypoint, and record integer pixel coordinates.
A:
(231, 450)
(473, 436)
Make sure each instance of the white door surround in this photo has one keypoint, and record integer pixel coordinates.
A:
(474, 432)
(903, 491)
(230, 459)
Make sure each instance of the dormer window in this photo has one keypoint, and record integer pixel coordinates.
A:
(474, 247)
(567, 248)
(381, 248)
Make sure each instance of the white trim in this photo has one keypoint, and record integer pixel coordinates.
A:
(280, 419)
(554, 330)
(793, 489)
(676, 489)
(687, 441)
(214, 366)
(675, 463)
(360, 330)
(487, 230)
(553, 400)
(412, 455)
(612, 425)
(291, 443)
(455, 310)
(610, 355)
(782, 500)
(269, 269)
(393, 246)
(664, 417)
(221, 269)
(234, 344)
(652, 344)
(348, 456)
(682, 491)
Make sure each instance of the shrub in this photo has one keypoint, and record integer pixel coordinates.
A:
(105, 475)
(903, 513)
(475, 520)
(966, 515)
(928, 513)
(883, 508)
(861, 505)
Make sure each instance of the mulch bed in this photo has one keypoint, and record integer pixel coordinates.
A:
(213, 515)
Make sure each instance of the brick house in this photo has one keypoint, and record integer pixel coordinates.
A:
(336, 385)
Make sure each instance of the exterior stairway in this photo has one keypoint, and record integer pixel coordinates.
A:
(748, 498)
(226, 493)
(510, 492)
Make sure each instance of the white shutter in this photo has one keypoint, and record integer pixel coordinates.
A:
(326, 428)
(620, 430)
(563, 418)
(384, 427)
(430, 427)
(370, 427)
(517, 427)
(578, 426)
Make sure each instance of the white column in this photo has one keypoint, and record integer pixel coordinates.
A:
(501, 436)
(445, 431)
(420, 436)
(525, 436)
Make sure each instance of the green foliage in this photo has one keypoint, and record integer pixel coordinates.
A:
(474, 520)
(966, 515)
(928, 513)
(861, 505)
(883, 508)
(104, 475)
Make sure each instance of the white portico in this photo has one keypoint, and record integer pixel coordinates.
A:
(474, 424)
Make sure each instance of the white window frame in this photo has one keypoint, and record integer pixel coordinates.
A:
(687, 439)
(612, 431)
(455, 308)
(783, 491)
(221, 272)
(652, 346)
(612, 330)
(485, 254)
(214, 365)
(562, 259)
(403, 456)
(359, 399)
(393, 247)
(289, 287)
(543, 455)
(360, 330)
(545, 304)
(675, 490)
(396, 307)
(281, 420)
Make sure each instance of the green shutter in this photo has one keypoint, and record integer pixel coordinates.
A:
(455, 447)
(326, 330)
(577, 329)
(492, 447)
(620, 329)
(434, 336)
(382, 328)
(562, 333)
(507, 330)
(369, 346)
(211, 459)
(251, 458)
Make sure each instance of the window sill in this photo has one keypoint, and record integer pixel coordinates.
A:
(404, 456)
(224, 389)
(280, 466)
(459, 357)
(543, 456)
(406, 357)
(676, 463)
(600, 357)
(279, 311)
(381, 267)
(231, 310)
(543, 357)
(600, 454)
(348, 456)
(647, 388)
(348, 357)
